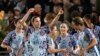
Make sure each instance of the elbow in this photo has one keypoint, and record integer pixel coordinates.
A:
(95, 40)
(1, 45)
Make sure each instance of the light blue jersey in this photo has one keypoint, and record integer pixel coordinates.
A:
(52, 45)
(14, 40)
(96, 31)
(67, 42)
(84, 38)
(37, 44)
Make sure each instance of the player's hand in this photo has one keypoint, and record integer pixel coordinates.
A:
(64, 52)
(9, 49)
(60, 12)
(31, 10)
(74, 51)
(82, 51)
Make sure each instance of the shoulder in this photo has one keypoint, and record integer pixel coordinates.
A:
(42, 32)
(97, 27)
(58, 39)
(46, 29)
(29, 29)
(11, 33)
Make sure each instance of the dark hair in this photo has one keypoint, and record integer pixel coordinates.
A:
(16, 20)
(88, 16)
(78, 21)
(11, 10)
(75, 13)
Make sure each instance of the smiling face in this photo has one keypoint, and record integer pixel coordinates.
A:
(63, 28)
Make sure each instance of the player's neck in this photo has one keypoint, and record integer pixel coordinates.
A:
(64, 34)
(17, 30)
(37, 29)
(81, 29)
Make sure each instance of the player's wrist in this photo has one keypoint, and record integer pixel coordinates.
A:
(60, 50)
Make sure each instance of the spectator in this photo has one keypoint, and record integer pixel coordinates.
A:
(17, 12)
(9, 18)
(39, 12)
(21, 5)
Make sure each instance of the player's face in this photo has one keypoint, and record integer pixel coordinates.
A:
(63, 28)
(19, 25)
(54, 31)
(77, 27)
(36, 23)
(74, 26)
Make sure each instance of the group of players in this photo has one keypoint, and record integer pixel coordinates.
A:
(37, 40)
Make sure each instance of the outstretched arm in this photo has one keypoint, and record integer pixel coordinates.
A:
(23, 20)
(56, 18)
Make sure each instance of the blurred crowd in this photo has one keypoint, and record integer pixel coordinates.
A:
(15, 9)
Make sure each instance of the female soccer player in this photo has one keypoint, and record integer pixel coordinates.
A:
(38, 43)
(85, 38)
(65, 40)
(14, 39)
(94, 28)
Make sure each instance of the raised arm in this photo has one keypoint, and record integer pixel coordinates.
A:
(56, 18)
(23, 20)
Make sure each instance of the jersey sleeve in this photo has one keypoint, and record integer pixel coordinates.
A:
(89, 33)
(7, 39)
(74, 41)
(49, 40)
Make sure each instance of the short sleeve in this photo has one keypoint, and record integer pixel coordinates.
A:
(49, 42)
(74, 41)
(29, 30)
(89, 33)
(97, 30)
(46, 29)
(58, 39)
(7, 39)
